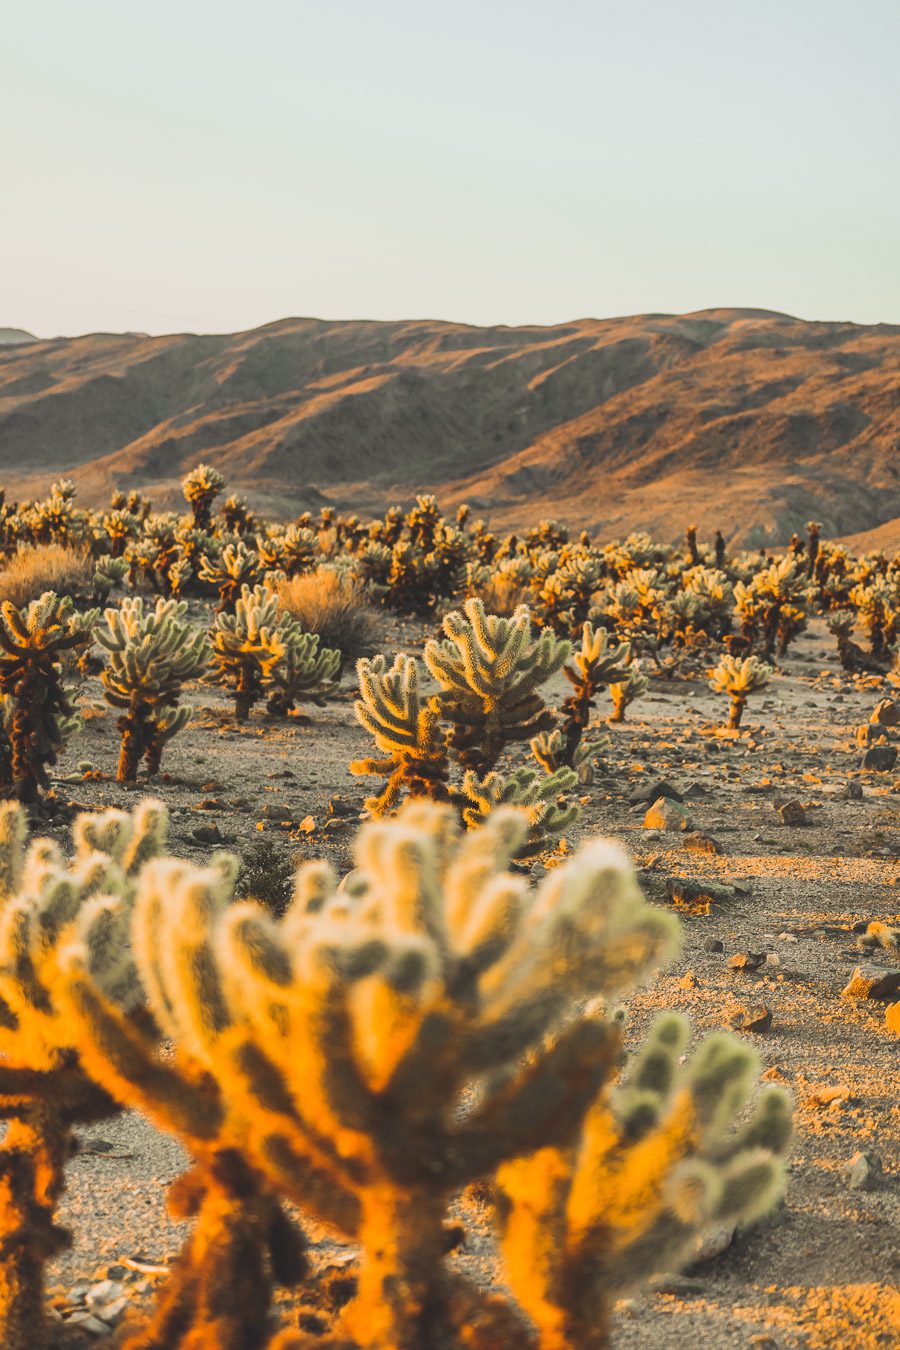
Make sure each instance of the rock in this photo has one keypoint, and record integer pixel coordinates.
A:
(652, 790)
(867, 734)
(680, 1285)
(272, 811)
(338, 807)
(892, 1018)
(757, 1017)
(688, 980)
(714, 1243)
(880, 758)
(872, 982)
(853, 792)
(86, 1321)
(666, 814)
(863, 1171)
(746, 961)
(696, 841)
(307, 825)
(887, 713)
(792, 813)
(698, 896)
(830, 1096)
(208, 834)
(695, 791)
(714, 945)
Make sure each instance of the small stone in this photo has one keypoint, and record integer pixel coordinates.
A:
(679, 1285)
(652, 790)
(853, 792)
(746, 961)
(892, 1018)
(696, 841)
(757, 1017)
(271, 811)
(792, 813)
(338, 807)
(830, 1096)
(880, 758)
(688, 980)
(714, 945)
(887, 713)
(88, 1322)
(698, 897)
(208, 834)
(666, 814)
(863, 1171)
(307, 824)
(714, 1243)
(872, 982)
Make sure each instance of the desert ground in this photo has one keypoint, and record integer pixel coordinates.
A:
(824, 1270)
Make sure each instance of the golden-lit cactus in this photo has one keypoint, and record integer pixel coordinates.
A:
(246, 647)
(34, 643)
(771, 607)
(539, 796)
(407, 732)
(151, 654)
(201, 487)
(109, 572)
(739, 679)
(597, 663)
(489, 670)
(346, 1035)
(628, 690)
(237, 516)
(44, 1088)
(306, 673)
(229, 571)
(659, 1160)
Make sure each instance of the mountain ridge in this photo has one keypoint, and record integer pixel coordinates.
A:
(743, 419)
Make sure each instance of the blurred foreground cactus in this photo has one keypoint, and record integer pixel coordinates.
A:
(432, 1023)
(151, 654)
(44, 1088)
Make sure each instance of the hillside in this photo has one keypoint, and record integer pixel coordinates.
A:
(744, 419)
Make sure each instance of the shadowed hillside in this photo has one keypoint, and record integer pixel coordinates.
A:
(744, 419)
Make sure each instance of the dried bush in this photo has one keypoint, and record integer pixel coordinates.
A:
(334, 604)
(46, 567)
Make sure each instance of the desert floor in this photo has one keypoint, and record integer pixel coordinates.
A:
(824, 1270)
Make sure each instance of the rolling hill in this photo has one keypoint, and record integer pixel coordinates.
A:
(747, 420)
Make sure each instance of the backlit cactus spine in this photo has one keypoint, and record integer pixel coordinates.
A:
(44, 1088)
(738, 679)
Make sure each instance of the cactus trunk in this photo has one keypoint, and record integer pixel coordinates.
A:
(737, 711)
(32, 1163)
(400, 1302)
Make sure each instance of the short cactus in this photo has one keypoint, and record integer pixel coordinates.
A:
(628, 690)
(246, 647)
(739, 679)
(306, 673)
(229, 571)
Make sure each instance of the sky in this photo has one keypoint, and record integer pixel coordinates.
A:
(212, 165)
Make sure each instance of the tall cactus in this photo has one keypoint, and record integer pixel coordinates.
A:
(407, 732)
(33, 645)
(151, 654)
(201, 487)
(489, 670)
(44, 1089)
(597, 663)
(246, 647)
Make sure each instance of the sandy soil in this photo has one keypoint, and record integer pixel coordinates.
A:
(824, 1271)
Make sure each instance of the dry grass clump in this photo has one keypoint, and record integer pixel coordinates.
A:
(45, 567)
(335, 605)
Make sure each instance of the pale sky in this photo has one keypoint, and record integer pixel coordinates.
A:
(211, 165)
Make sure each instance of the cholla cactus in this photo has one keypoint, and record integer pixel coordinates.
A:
(242, 1243)
(247, 645)
(489, 672)
(237, 516)
(119, 526)
(152, 653)
(597, 663)
(878, 606)
(44, 1089)
(407, 732)
(305, 674)
(300, 550)
(739, 679)
(344, 1038)
(201, 487)
(109, 571)
(539, 796)
(230, 571)
(772, 607)
(658, 1160)
(33, 646)
(627, 691)
(549, 749)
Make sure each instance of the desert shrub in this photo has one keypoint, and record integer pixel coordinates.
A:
(334, 604)
(266, 875)
(46, 567)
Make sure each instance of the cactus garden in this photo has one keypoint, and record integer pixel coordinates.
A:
(415, 936)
